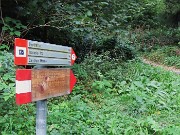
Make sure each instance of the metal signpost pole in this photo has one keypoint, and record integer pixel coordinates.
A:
(41, 116)
(41, 113)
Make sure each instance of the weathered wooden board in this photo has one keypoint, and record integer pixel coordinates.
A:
(38, 84)
(27, 52)
(50, 83)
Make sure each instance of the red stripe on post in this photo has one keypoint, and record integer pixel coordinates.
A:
(72, 80)
(20, 43)
(23, 98)
(23, 74)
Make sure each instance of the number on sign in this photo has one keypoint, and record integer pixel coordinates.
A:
(21, 52)
(73, 56)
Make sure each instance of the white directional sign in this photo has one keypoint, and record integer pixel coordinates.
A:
(47, 46)
(29, 52)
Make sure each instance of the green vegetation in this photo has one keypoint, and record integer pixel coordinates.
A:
(126, 98)
(116, 93)
(168, 55)
(88, 25)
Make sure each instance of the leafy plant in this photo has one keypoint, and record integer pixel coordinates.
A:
(11, 28)
(167, 55)
(103, 85)
(139, 102)
(7, 78)
(11, 115)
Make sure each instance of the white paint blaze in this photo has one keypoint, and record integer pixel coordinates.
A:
(23, 86)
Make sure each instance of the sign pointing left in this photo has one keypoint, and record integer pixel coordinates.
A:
(29, 52)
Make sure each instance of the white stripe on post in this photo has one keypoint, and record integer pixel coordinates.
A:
(23, 86)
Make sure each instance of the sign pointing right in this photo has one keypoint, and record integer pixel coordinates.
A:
(38, 84)
(29, 52)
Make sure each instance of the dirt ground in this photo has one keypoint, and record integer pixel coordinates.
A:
(173, 69)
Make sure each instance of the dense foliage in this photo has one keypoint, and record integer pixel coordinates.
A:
(88, 25)
(116, 93)
(128, 98)
(169, 55)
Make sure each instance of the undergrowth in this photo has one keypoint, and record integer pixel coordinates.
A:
(111, 97)
(167, 55)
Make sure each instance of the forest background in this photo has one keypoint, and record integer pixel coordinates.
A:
(108, 36)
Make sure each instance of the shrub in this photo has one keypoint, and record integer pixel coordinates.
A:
(7, 73)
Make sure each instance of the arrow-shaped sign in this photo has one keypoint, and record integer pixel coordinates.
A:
(38, 84)
(27, 52)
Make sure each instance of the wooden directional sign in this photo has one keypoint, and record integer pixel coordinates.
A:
(27, 52)
(38, 84)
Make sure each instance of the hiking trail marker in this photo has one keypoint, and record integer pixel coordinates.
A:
(27, 52)
(39, 84)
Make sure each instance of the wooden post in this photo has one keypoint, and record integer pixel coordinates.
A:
(41, 113)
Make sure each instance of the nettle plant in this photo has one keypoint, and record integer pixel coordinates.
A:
(11, 28)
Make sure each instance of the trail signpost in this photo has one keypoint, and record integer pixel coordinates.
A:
(27, 52)
(39, 84)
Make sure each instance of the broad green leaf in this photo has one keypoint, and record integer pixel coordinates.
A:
(8, 19)
(104, 3)
(11, 29)
(4, 28)
(77, 22)
(107, 83)
(17, 33)
(24, 27)
(139, 99)
(89, 13)
(138, 84)
(11, 33)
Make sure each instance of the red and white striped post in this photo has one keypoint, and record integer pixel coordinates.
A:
(23, 86)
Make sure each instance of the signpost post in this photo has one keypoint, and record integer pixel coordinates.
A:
(41, 113)
(41, 117)
(39, 84)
